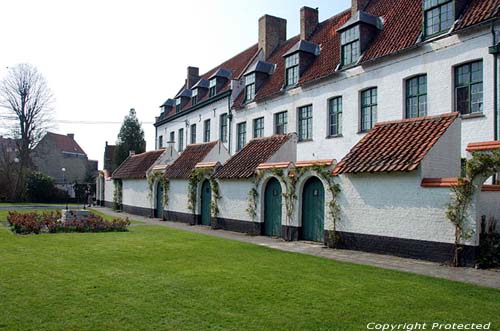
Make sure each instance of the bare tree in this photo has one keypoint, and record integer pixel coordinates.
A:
(27, 100)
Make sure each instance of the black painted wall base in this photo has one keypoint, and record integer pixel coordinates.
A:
(146, 212)
(237, 226)
(174, 216)
(410, 248)
(290, 233)
(108, 204)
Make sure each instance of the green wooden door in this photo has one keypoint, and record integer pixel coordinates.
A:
(313, 210)
(206, 198)
(272, 208)
(159, 200)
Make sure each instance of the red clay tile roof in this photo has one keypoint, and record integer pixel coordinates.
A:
(184, 165)
(440, 182)
(483, 146)
(478, 11)
(244, 163)
(402, 29)
(135, 166)
(64, 143)
(237, 65)
(490, 188)
(396, 145)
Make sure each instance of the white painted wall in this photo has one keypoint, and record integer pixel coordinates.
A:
(394, 205)
(489, 205)
(178, 196)
(234, 200)
(109, 190)
(135, 193)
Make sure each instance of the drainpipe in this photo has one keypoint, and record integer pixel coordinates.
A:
(494, 50)
(229, 127)
(156, 137)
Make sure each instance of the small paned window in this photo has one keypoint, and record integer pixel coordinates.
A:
(292, 69)
(469, 88)
(305, 123)
(180, 144)
(335, 116)
(258, 127)
(350, 46)
(193, 133)
(194, 97)
(206, 131)
(249, 87)
(416, 96)
(241, 131)
(212, 87)
(368, 109)
(281, 122)
(438, 16)
(223, 128)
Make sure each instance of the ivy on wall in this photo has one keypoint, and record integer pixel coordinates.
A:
(117, 194)
(290, 180)
(158, 177)
(481, 166)
(197, 176)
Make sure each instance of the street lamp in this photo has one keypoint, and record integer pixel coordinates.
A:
(64, 185)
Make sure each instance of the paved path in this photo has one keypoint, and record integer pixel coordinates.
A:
(30, 207)
(488, 278)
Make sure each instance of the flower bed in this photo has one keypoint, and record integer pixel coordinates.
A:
(27, 223)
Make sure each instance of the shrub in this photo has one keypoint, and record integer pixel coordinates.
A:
(41, 188)
(489, 246)
(26, 223)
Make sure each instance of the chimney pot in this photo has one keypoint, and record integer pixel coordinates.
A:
(193, 75)
(272, 32)
(308, 22)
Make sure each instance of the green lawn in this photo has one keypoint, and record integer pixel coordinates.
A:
(156, 278)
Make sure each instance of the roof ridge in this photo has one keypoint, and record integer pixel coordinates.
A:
(418, 119)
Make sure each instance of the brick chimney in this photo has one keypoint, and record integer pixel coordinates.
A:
(358, 5)
(193, 75)
(71, 135)
(308, 22)
(272, 32)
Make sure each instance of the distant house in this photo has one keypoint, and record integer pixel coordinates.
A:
(109, 157)
(8, 149)
(56, 152)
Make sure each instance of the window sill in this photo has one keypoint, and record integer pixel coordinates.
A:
(304, 141)
(472, 115)
(340, 135)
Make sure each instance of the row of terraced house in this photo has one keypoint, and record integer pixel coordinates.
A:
(353, 131)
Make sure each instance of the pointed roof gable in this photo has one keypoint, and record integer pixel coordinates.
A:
(184, 165)
(396, 145)
(136, 166)
(65, 143)
(259, 150)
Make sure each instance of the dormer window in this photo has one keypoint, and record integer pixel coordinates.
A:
(350, 46)
(212, 87)
(249, 87)
(178, 105)
(292, 70)
(194, 97)
(438, 16)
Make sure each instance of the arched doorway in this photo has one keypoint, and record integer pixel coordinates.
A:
(159, 200)
(272, 208)
(313, 210)
(206, 200)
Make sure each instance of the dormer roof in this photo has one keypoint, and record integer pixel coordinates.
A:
(222, 72)
(184, 93)
(363, 17)
(261, 66)
(203, 83)
(168, 103)
(303, 46)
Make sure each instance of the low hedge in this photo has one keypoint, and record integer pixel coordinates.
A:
(50, 222)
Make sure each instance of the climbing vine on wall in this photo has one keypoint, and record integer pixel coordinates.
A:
(194, 180)
(157, 177)
(290, 180)
(117, 194)
(479, 167)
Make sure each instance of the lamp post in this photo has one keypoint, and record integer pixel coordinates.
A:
(64, 185)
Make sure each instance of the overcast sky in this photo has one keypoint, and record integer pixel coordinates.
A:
(102, 58)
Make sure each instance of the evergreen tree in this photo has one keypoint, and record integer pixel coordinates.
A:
(130, 138)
